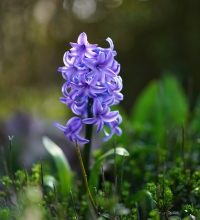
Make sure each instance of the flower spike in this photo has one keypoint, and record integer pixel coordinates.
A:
(92, 85)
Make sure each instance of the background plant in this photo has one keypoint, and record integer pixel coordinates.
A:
(157, 177)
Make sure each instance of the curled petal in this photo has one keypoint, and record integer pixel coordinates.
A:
(109, 59)
(119, 96)
(89, 121)
(114, 129)
(81, 140)
(109, 40)
(82, 39)
(119, 120)
(79, 109)
(110, 73)
(59, 126)
(108, 136)
(68, 60)
(65, 89)
(97, 107)
(89, 51)
(73, 46)
(62, 69)
(63, 100)
(118, 131)
(111, 116)
(97, 90)
(100, 126)
(101, 57)
(115, 67)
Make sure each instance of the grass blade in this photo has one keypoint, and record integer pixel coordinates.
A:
(62, 165)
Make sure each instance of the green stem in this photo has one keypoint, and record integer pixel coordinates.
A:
(88, 136)
(85, 179)
(183, 147)
(10, 157)
(87, 148)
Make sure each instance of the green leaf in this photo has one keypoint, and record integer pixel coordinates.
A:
(145, 203)
(195, 122)
(50, 181)
(174, 218)
(118, 151)
(94, 175)
(62, 165)
(5, 214)
(161, 106)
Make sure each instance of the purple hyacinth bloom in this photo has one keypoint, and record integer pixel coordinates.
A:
(101, 115)
(72, 130)
(82, 47)
(114, 128)
(101, 66)
(92, 86)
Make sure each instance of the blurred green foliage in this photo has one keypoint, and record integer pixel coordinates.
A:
(155, 111)
(150, 36)
(38, 102)
(154, 174)
(63, 168)
(160, 177)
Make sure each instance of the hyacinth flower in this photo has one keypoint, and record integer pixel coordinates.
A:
(92, 86)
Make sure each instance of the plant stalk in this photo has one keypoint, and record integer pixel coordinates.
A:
(87, 149)
(88, 136)
(85, 179)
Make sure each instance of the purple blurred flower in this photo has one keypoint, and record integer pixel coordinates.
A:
(101, 115)
(92, 86)
(114, 128)
(72, 130)
(82, 47)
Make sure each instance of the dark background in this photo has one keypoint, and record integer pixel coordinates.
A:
(152, 37)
